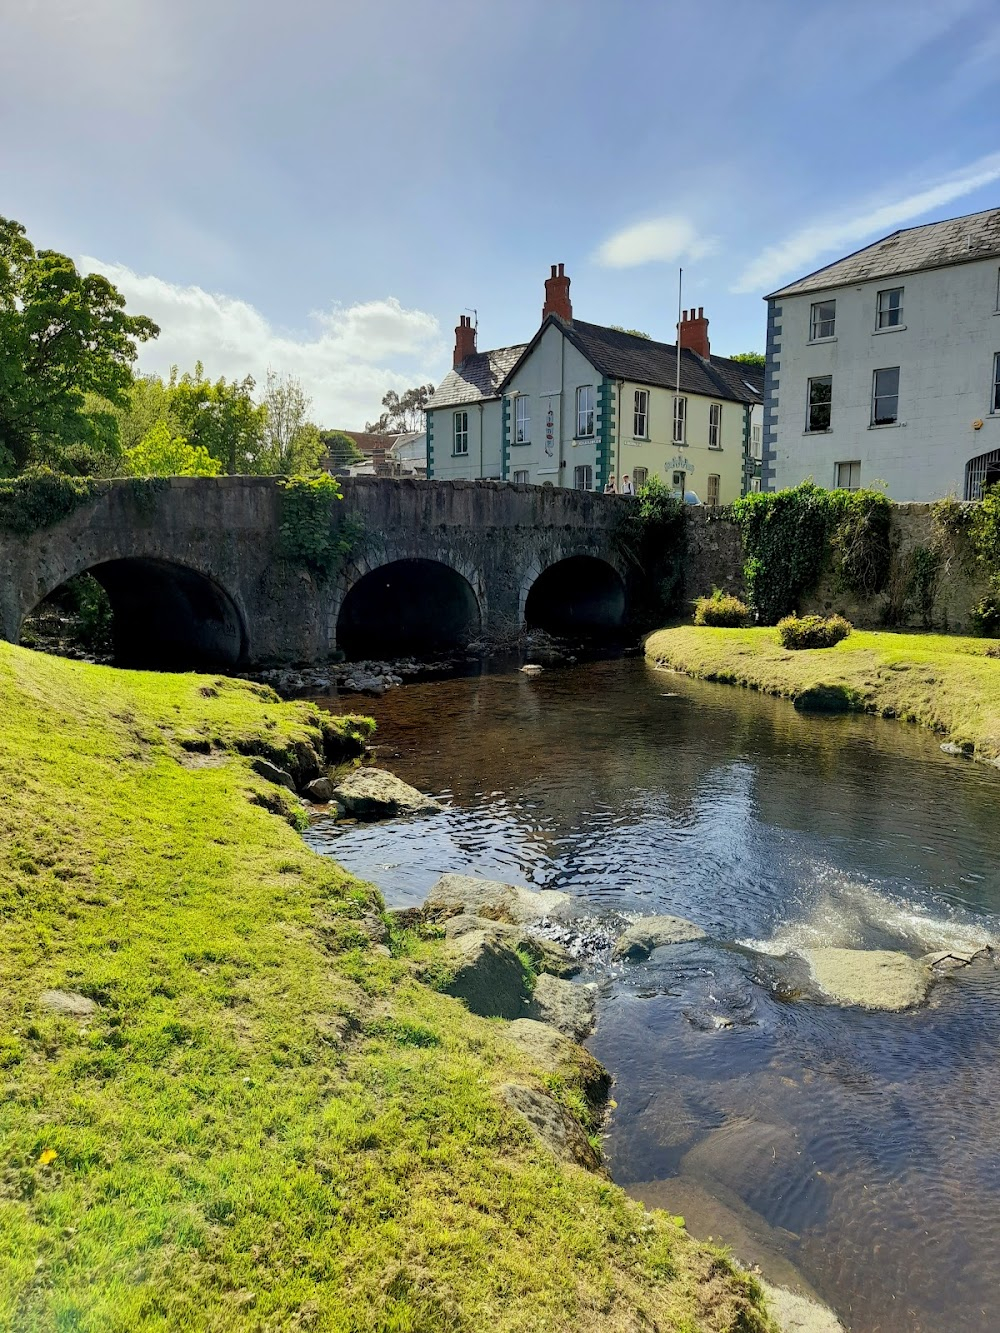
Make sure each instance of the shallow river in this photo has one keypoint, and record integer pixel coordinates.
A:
(860, 1148)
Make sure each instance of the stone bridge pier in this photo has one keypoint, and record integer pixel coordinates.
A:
(197, 577)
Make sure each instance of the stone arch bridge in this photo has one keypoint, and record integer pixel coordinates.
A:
(196, 576)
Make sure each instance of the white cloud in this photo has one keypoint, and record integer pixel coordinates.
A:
(346, 363)
(659, 240)
(799, 252)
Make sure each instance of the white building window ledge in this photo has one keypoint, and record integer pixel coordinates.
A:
(814, 342)
(891, 328)
(888, 425)
(818, 432)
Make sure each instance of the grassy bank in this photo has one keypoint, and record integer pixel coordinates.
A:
(266, 1123)
(940, 681)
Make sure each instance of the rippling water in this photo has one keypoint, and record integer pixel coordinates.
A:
(859, 1147)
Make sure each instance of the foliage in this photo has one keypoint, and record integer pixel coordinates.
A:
(925, 569)
(721, 609)
(310, 534)
(161, 455)
(942, 681)
(221, 417)
(292, 443)
(789, 536)
(634, 333)
(403, 412)
(340, 448)
(651, 535)
(756, 359)
(85, 618)
(265, 1122)
(39, 498)
(984, 617)
(62, 335)
(812, 631)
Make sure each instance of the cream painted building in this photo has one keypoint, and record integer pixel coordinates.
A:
(583, 405)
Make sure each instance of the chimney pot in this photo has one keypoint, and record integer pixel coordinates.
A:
(465, 340)
(557, 300)
(692, 332)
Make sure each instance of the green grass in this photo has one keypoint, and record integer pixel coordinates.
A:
(267, 1124)
(940, 681)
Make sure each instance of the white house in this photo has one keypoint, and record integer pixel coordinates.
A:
(885, 366)
(582, 405)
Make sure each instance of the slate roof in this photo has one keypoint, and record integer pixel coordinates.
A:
(934, 245)
(478, 377)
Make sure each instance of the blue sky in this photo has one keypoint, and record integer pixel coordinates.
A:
(324, 187)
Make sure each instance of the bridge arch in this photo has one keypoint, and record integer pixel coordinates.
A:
(408, 606)
(579, 593)
(167, 616)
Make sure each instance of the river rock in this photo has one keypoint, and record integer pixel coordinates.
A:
(964, 751)
(551, 1124)
(546, 955)
(486, 974)
(950, 960)
(490, 898)
(653, 932)
(799, 1314)
(371, 793)
(556, 1054)
(68, 1002)
(870, 978)
(568, 1007)
(320, 790)
(272, 773)
(532, 669)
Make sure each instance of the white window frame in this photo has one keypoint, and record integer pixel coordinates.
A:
(586, 414)
(680, 419)
(640, 475)
(715, 425)
(810, 428)
(521, 476)
(818, 332)
(853, 482)
(712, 492)
(640, 415)
(756, 442)
(755, 485)
(583, 473)
(882, 397)
(884, 313)
(995, 395)
(522, 419)
(460, 435)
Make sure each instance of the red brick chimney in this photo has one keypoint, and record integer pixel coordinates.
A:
(557, 300)
(465, 340)
(693, 332)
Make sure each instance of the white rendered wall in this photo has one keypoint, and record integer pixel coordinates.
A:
(483, 458)
(549, 378)
(945, 352)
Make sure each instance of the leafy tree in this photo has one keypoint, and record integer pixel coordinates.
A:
(222, 418)
(62, 335)
(636, 333)
(403, 412)
(161, 454)
(340, 448)
(756, 359)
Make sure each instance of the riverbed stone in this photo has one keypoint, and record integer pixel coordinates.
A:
(798, 1314)
(569, 1007)
(320, 790)
(272, 773)
(554, 1052)
(68, 1002)
(870, 978)
(546, 955)
(372, 793)
(653, 932)
(491, 898)
(951, 960)
(486, 974)
(551, 1124)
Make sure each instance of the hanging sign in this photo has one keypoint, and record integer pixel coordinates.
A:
(549, 422)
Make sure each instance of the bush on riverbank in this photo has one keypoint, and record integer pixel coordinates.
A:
(722, 610)
(812, 631)
(941, 681)
(263, 1121)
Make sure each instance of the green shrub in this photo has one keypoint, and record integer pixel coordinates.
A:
(984, 618)
(651, 534)
(40, 498)
(721, 609)
(813, 631)
(310, 533)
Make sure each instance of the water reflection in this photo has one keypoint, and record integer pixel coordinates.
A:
(858, 1146)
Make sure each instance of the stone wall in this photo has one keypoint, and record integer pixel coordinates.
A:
(715, 560)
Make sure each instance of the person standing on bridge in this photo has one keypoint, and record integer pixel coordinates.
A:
(609, 486)
(627, 486)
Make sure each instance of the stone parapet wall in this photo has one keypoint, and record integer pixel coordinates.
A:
(715, 560)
